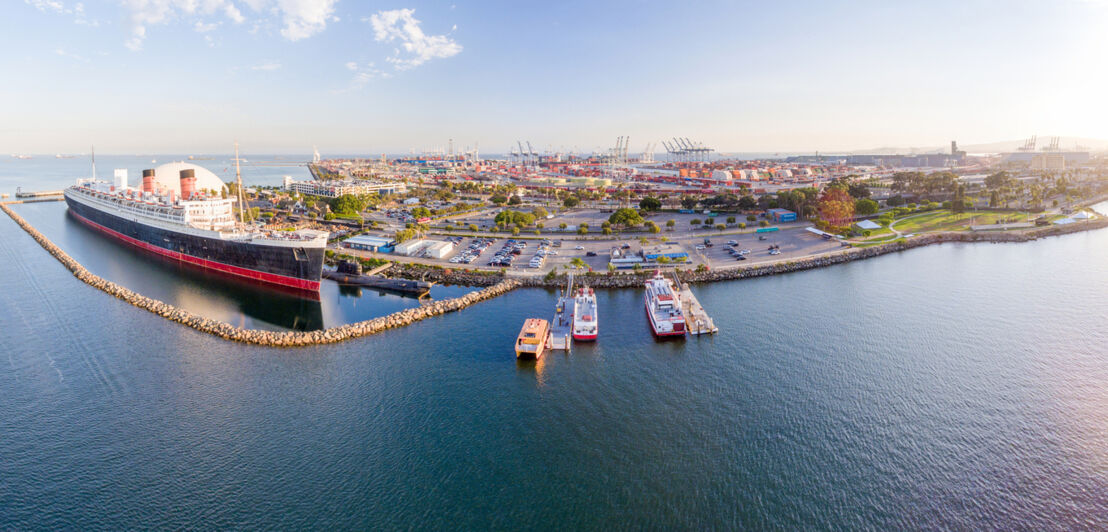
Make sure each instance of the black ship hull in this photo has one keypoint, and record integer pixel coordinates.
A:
(296, 267)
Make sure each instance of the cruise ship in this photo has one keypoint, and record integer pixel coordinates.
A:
(663, 307)
(586, 325)
(180, 213)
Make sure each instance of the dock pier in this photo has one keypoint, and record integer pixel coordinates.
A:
(561, 327)
(697, 320)
(19, 193)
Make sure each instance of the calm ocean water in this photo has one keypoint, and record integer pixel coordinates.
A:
(950, 387)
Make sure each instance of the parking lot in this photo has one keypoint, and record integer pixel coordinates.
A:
(790, 244)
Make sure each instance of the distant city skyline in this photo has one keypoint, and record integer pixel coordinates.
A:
(188, 76)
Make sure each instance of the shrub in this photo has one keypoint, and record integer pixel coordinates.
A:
(751, 218)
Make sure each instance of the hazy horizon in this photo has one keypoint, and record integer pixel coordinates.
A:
(180, 76)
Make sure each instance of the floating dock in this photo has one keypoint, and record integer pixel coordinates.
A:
(19, 193)
(697, 320)
(561, 327)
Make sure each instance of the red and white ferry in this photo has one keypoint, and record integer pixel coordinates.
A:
(586, 325)
(663, 307)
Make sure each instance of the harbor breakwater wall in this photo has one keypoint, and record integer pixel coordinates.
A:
(626, 279)
(259, 337)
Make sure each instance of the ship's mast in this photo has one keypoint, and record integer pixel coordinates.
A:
(93, 149)
(238, 186)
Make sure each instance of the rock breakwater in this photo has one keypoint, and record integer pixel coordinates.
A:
(259, 337)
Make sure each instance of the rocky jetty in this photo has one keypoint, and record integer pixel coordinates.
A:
(258, 337)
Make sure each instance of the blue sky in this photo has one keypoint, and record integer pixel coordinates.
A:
(282, 75)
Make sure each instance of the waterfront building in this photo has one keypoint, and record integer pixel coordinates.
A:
(369, 243)
(334, 189)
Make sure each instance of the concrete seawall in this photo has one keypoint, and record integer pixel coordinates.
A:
(635, 280)
(258, 337)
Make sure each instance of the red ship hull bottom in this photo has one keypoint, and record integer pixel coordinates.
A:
(301, 284)
(584, 337)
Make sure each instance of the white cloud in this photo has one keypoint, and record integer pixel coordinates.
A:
(62, 52)
(202, 27)
(48, 6)
(304, 18)
(363, 75)
(400, 25)
(59, 8)
(271, 65)
(300, 18)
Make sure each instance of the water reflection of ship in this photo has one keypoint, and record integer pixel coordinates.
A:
(355, 291)
(280, 306)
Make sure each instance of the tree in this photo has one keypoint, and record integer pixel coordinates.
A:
(514, 200)
(694, 221)
(721, 227)
(562, 226)
(998, 181)
(688, 202)
(472, 227)
(606, 230)
(671, 223)
(742, 225)
(653, 227)
(751, 218)
(858, 190)
(515, 230)
(571, 202)
(836, 209)
(865, 206)
(498, 199)
(747, 202)
(611, 267)
(958, 204)
(539, 213)
(650, 203)
(508, 217)
(626, 217)
(584, 230)
(730, 219)
(895, 201)
(764, 223)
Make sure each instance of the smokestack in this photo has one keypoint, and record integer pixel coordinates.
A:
(148, 181)
(188, 183)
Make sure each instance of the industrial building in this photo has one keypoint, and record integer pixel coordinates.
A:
(781, 215)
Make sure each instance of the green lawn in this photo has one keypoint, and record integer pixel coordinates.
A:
(944, 220)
